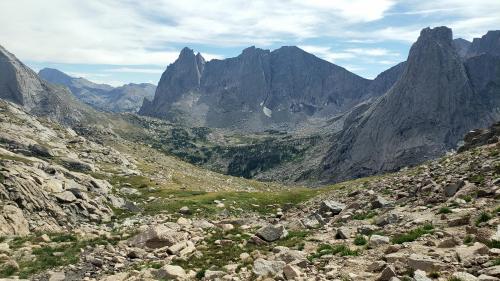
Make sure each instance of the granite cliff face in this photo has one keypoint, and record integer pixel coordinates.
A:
(21, 85)
(435, 102)
(488, 44)
(258, 89)
(127, 98)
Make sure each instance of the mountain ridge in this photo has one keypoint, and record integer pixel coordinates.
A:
(125, 98)
(259, 88)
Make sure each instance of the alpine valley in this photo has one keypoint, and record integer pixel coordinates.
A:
(271, 165)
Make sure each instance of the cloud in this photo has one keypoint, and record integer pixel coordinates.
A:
(149, 32)
(135, 70)
(372, 52)
(360, 54)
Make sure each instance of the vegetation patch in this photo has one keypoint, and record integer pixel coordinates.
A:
(364, 215)
(483, 217)
(413, 235)
(360, 240)
(444, 210)
(63, 250)
(327, 249)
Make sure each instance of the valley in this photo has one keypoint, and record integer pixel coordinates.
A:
(271, 165)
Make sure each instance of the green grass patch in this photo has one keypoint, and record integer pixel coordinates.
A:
(444, 210)
(469, 240)
(66, 251)
(483, 217)
(466, 198)
(236, 203)
(364, 215)
(360, 240)
(496, 262)
(494, 244)
(327, 249)
(477, 179)
(413, 235)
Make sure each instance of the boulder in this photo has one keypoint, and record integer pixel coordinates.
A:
(464, 276)
(157, 236)
(380, 202)
(466, 253)
(171, 272)
(12, 221)
(265, 268)
(378, 240)
(343, 233)
(76, 165)
(333, 207)
(491, 271)
(313, 221)
(271, 233)
(291, 272)
(424, 263)
(420, 275)
(65, 197)
(451, 188)
(387, 274)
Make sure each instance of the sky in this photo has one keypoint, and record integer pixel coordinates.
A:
(123, 41)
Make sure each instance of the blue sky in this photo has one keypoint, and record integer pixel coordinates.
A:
(122, 41)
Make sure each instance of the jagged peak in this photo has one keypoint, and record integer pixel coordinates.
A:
(441, 34)
(252, 50)
(6, 54)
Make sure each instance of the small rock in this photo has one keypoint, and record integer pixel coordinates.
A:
(291, 272)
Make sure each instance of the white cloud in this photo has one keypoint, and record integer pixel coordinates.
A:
(372, 52)
(360, 54)
(149, 32)
(135, 70)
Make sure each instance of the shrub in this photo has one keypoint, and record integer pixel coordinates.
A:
(327, 249)
(360, 240)
(468, 240)
(444, 210)
(413, 235)
(483, 217)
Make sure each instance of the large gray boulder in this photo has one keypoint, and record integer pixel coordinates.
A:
(271, 233)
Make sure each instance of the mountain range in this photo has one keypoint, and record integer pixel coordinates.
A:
(336, 125)
(126, 98)
(259, 89)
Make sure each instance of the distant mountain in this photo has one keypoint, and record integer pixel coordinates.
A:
(21, 85)
(258, 89)
(127, 98)
(438, 98)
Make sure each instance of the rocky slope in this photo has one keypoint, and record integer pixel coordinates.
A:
(21, 85)
(436, 221)
(126, 98)
(258, 90)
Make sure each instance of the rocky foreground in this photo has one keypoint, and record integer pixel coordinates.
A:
(76, 207)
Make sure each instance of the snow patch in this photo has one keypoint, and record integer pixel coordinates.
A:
(268, 112)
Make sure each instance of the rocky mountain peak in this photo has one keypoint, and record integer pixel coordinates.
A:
(55, 76)
(489, 44)
(441, 34)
